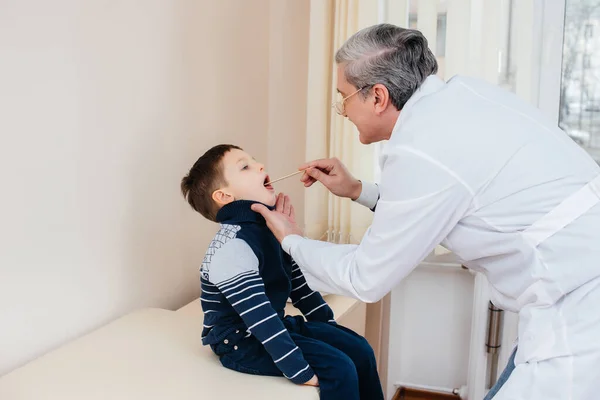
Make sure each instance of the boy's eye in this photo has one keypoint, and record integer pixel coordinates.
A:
(245, 167)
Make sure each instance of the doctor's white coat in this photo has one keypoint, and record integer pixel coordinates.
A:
(473, 167)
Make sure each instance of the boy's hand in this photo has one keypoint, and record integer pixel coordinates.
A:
(314, 381)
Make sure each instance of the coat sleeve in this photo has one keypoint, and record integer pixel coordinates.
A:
(420, 202)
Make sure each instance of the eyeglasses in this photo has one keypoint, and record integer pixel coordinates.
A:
(339, 106)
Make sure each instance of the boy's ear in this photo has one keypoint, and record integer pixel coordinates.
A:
(222, 197)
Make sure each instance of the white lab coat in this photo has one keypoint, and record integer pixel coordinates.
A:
(484, 173)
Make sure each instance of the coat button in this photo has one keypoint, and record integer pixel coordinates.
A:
(226, 341)
(237, 331)
(235, 347)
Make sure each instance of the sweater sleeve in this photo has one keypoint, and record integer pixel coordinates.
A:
(234, 270)
(309, 302)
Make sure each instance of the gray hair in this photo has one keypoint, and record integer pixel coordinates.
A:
(395, 57)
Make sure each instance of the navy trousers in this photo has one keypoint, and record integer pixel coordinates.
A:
(343, 361)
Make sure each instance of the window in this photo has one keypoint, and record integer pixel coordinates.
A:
(440, 34)
(579, 113)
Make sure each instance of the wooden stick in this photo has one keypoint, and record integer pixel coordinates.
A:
(284, 177)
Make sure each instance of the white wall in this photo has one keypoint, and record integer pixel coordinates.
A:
(105, 105)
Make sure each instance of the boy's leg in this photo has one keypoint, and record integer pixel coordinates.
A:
(246, 355)
(336, 372)
(357, 348)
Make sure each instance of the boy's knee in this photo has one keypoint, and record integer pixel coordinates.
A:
(364, 344)
(347, 371)
(366, 354)
(339, 379)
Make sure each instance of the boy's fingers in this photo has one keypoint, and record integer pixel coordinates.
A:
(314, 381)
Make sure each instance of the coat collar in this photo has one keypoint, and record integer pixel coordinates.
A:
(432, 84)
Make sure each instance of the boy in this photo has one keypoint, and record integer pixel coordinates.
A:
(246, 279)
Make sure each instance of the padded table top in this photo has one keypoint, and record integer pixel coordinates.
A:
(149, 354)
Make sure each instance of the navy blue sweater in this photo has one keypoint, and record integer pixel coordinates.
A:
(246, 280)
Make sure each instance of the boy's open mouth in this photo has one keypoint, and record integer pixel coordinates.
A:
(267, 180)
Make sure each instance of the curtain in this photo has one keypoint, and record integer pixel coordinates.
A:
(328, 217)
(330, 135)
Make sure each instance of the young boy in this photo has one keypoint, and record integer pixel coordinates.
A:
(246, 279)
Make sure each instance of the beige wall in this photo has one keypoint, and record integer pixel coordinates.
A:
(105, 104)
(288, 74)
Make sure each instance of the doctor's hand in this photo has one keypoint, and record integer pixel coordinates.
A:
(333, 175)
(282, 220)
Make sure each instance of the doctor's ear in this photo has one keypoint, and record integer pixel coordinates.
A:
(222, 197)
(381, 96)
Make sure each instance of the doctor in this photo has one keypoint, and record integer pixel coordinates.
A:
(473, 167)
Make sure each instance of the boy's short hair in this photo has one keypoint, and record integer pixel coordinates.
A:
(206, 176)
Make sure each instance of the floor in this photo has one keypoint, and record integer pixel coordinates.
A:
(413, 394)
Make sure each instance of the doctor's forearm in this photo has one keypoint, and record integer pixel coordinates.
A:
(331, 268)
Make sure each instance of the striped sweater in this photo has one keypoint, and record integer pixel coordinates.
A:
(246, 281)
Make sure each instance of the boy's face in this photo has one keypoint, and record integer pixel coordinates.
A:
(245, 179)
